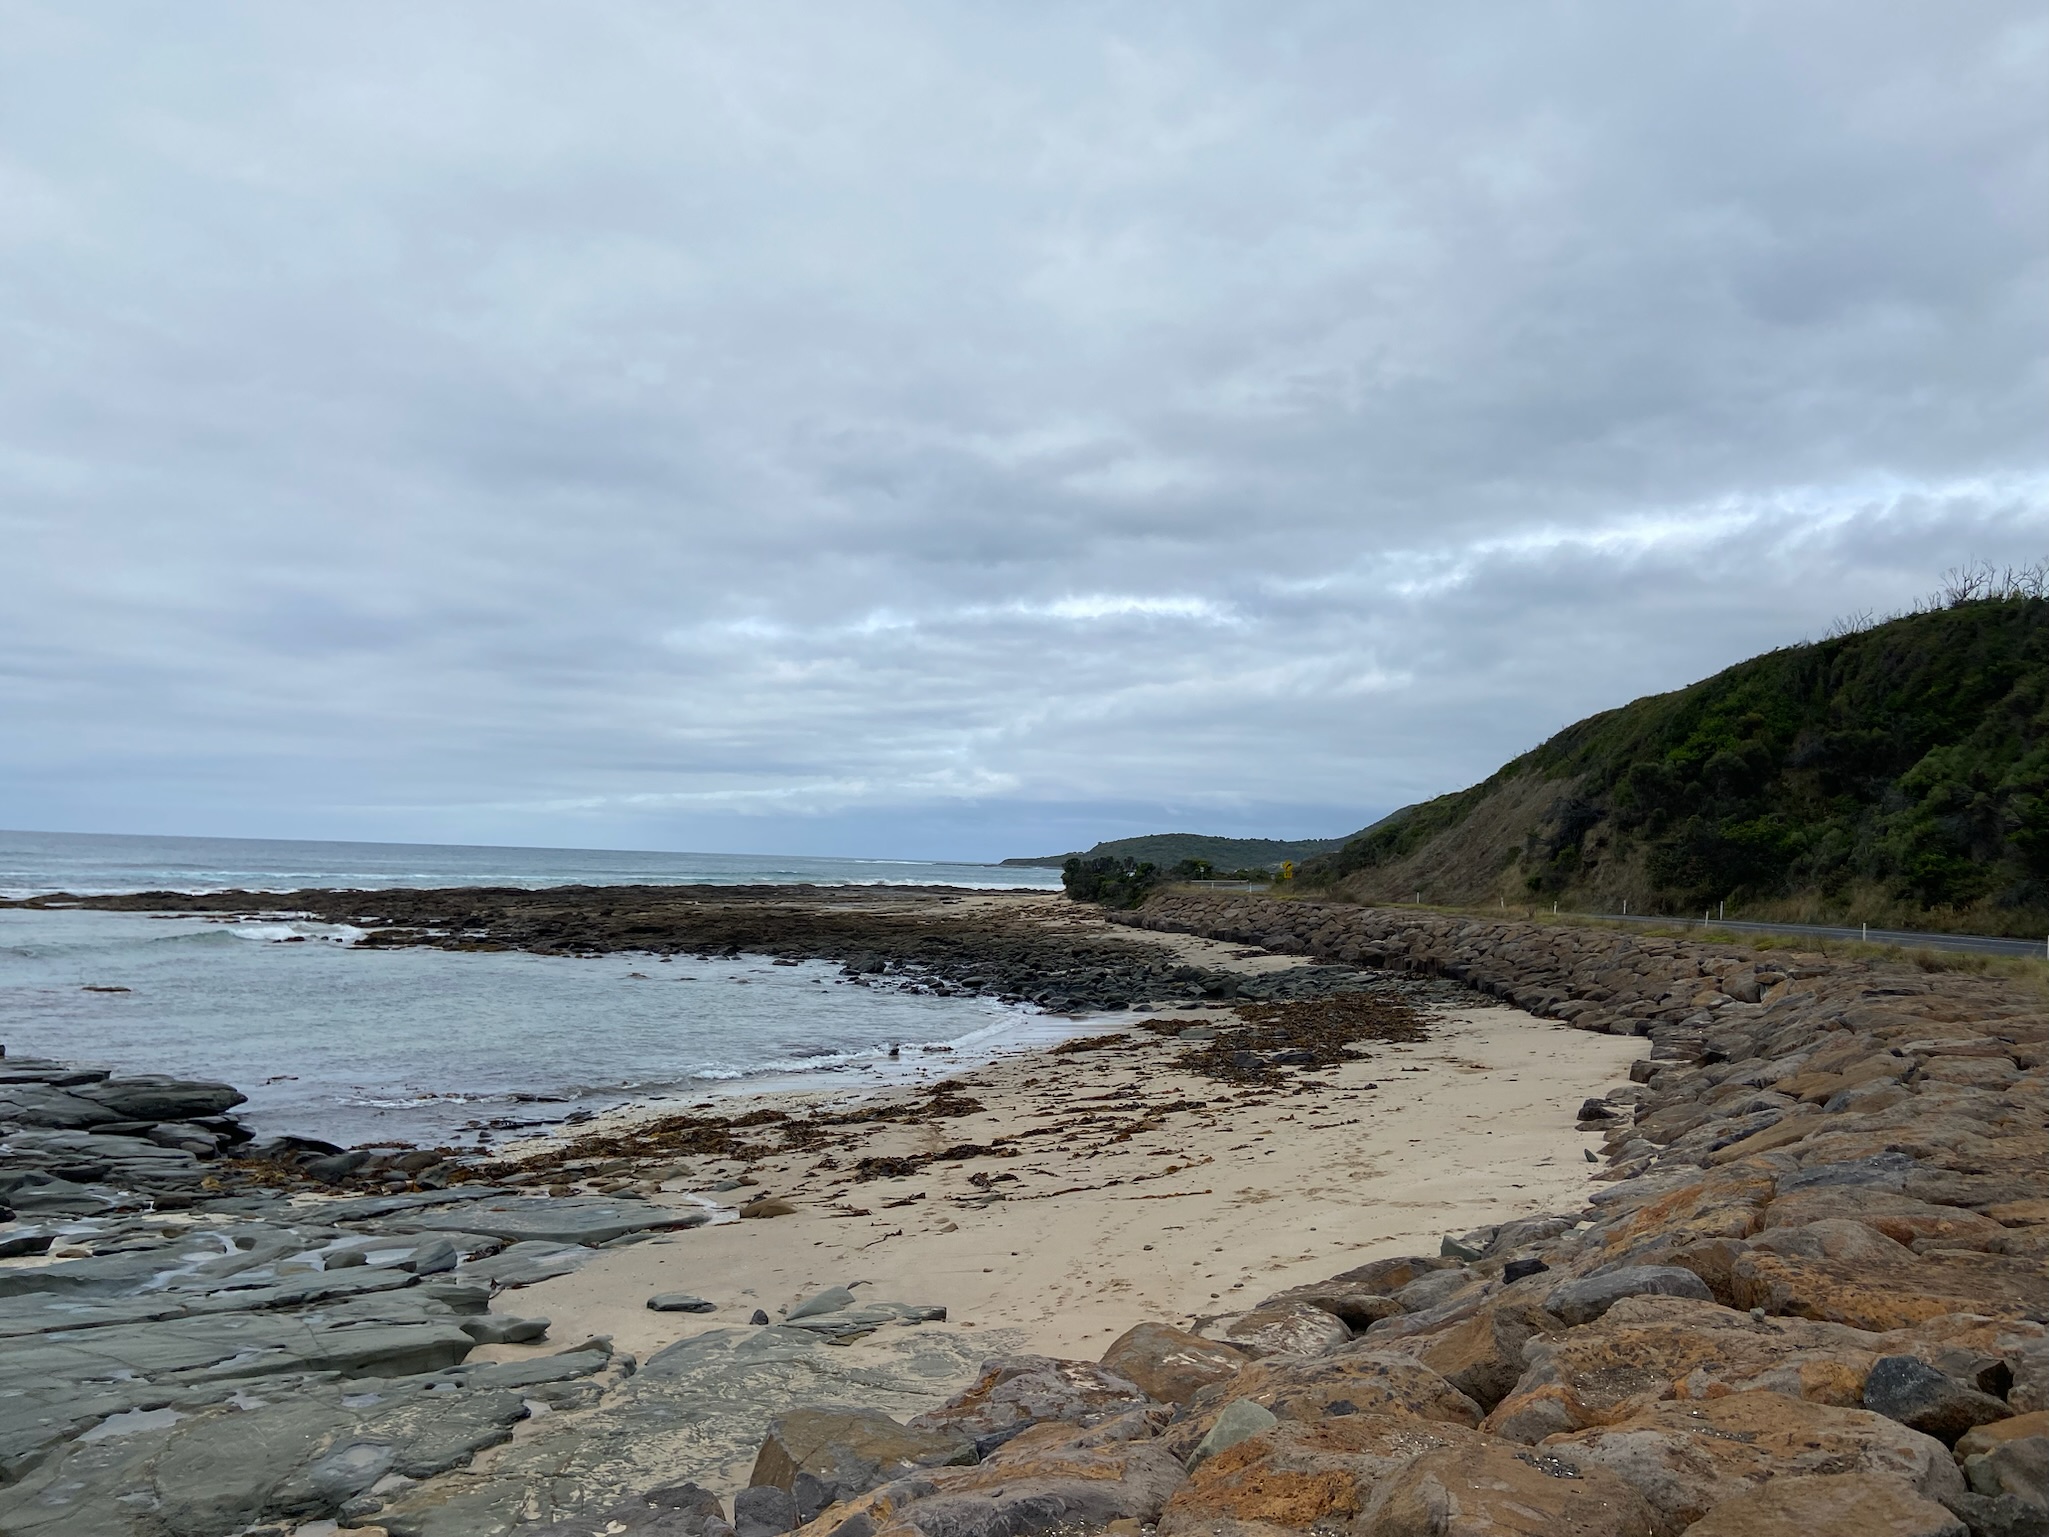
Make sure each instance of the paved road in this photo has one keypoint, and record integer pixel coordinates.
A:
(1983, 944)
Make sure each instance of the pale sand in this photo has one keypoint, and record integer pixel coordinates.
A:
(1473, 1127)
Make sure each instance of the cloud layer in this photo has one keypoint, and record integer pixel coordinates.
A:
(939, 430)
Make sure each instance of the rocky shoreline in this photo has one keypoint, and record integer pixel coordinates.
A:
(1810, 1296)
(1021, 949)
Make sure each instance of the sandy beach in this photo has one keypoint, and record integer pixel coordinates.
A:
(1194, 1218)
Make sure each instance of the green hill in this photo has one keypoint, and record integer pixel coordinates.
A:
(1168, 849)
(1898, 775)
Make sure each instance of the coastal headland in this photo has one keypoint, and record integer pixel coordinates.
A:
(1326, 1218)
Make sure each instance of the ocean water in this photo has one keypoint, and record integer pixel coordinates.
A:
(367, 1045)
(35, 864)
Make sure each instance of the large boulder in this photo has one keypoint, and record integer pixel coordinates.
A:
(1482, 1354)
(1829, 1505)
(1645, 1349)
(1685, 1459)
(37, 1104)
(1908, 1389)
(1170, 1364)
(1916, 1224)
(154, 1097)
(1849, 1272)
(2017, 1467)
(1492, 1489)
(1311, 1389)
(1301, 1474)
(1287, 1329)
(1586, 1298)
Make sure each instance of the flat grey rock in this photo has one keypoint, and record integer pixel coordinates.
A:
(559, 1219)
(680, 1302)
(691, 1412)
(501, 1329)
(295, 1449)
(371, 1207)
(852, 1323)
(831, 1300)
(38, 1104)
(526, 1263)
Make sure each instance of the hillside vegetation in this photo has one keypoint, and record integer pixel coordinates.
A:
(1898, 774)
(1166, 850)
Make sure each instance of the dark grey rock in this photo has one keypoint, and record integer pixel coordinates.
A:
(1908, 1389)
(497, 1329)
(680, 1302)
(431, 1258)
(1999, 1516)
(762, 1510)
(154, 1097)
(1521, 1269)
(1427, 1291)
(36, 1104)
(25, 1240)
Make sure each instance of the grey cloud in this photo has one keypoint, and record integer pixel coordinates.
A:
(904, 429)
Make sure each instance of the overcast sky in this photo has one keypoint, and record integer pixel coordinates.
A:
(969, 429)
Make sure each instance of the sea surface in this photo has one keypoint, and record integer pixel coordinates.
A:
(88, 864)
(365, 1045)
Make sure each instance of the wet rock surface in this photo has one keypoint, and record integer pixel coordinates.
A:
(186, 1348)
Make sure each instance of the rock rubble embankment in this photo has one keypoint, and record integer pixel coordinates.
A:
(1810, 1296)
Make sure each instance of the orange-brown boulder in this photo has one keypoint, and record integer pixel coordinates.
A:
(1311, 1389)
(1302, 1473)
(1482, 1355)
(1687, 1458)
(1171, 1364)
(1848, 1272)
(1916, 1224)
(1493, 1489)
(1830, 1505)
(1648, 1349)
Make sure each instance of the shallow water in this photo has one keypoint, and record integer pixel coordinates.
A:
(361, 1045)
